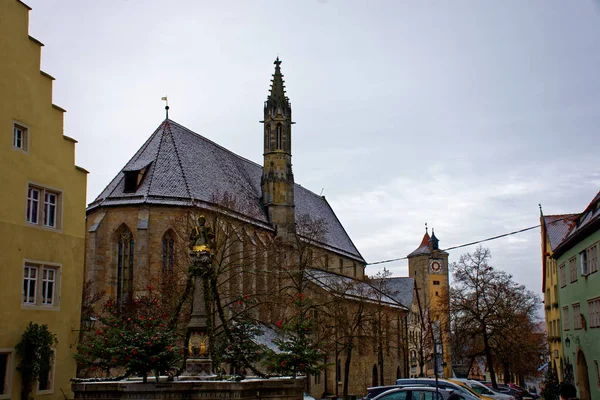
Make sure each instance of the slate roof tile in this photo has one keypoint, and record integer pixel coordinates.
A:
(401, 289)
(557, 227)
(187, 169)
(350, 287)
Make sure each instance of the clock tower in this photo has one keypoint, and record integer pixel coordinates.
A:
(428, 265)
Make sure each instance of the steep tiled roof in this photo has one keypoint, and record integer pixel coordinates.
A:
(351, 288)
(589, 216)
(401, 289)
(423, 247)
(557, 227)
(187, 169)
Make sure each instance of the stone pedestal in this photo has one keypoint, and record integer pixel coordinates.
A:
(251, 389)
(198, 369)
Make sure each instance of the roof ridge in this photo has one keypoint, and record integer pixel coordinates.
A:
(215, 143)
(151, 177)
(343, 229)
(185, 180)
(137, 153)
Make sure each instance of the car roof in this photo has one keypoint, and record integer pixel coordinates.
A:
(418, 387)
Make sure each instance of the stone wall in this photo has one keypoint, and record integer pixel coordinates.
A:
(271, 389)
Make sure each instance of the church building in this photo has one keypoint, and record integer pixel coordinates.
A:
(136, 230)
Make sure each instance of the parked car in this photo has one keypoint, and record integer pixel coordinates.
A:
(522, 392)
(502, 388)
(377, 390)
(465, 392)
(484, 390)
(416, 393)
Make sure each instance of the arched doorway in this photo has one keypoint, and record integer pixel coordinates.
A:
(583, 381)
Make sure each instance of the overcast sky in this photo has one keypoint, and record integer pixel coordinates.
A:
(461, 114)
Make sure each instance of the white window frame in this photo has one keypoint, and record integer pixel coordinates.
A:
(576, 316)
(583, 263)
(30, 278)
(565, 318)
(42, 282)
(592, 258)
(562, 275)
(48, 206)
(34, 195)
(7, 384)
(573, 269)
(594, 312)
(51, 377)
(25, 133)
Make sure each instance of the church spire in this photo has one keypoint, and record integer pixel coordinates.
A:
(277, 95)
(277, 102)
(278, 178)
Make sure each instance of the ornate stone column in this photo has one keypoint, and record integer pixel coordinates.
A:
(198, 364)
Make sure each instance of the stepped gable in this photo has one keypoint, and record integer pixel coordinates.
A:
(184, 168)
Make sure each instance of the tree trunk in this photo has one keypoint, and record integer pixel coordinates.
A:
(26, 389)
(506, 369)
(347, 365)
(488, 357)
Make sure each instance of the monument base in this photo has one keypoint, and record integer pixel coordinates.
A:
(197, 369)
(253, 389)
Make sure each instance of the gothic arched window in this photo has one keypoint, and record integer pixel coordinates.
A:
(125, 255)
(268, 139)
(168, 256)
(279, 137)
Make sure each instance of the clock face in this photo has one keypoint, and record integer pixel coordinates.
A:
(435, 266)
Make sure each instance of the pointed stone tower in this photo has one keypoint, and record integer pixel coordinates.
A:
(278, 180)
(428, 265)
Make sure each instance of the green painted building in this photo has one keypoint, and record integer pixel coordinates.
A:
(579, 293)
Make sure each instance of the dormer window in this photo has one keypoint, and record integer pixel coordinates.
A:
(134, 177)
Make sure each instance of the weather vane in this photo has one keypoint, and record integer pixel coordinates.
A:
(166, 106)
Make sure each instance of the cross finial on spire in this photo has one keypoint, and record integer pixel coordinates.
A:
(541, 212)
(425, 227)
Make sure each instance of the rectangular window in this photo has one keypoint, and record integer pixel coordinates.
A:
(563, 275)
(592, 258)
(20, 137)
(40, 285)
(29, 284)
(46, 214)
(594, 313)
(33, 205)
(576, 316)
(573, 269)
(46, 379)
(50, 202)
(436, 282)
(583, 263)
(565, 318)
(48, 284)
(5, 373)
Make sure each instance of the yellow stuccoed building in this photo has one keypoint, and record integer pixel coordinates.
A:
(42, 211)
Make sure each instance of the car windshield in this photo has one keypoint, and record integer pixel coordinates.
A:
(481, 389)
